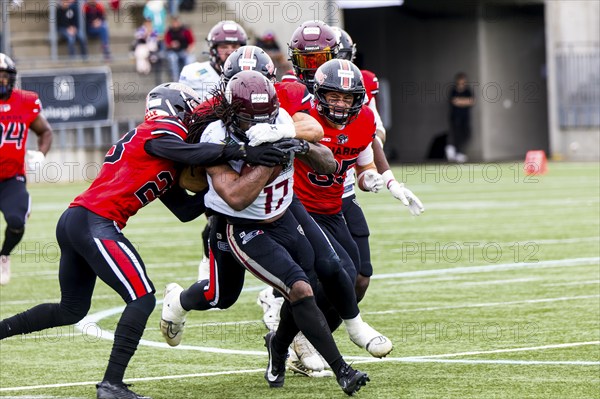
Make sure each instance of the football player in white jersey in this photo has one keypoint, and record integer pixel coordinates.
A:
(262, 234)
(223, 39)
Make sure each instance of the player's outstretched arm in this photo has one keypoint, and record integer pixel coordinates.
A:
(186, 207)
(307, 127)
(320, 158)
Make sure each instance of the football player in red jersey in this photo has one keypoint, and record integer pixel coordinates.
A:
(353, 214)
(139, 168)
(20, 111)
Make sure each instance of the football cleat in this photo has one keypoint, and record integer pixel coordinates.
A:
(352, 380)
(306, 353)
(275, 373)
(173, 315)
(4, 269)
(368, 338)
(107, 390)
(295, 365)
(204, 269)
(271, 306)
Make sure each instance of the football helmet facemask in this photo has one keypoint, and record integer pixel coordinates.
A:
(312, 44)
(339, 76)
(171, 99)
(249, 58)
(253, 100)
(7, 65)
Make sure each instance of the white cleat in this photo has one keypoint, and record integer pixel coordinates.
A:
(271, 306)
(173, 315)
(4, 269)
(306, 353)
(295, 365)
(204, 269)
(368, 338)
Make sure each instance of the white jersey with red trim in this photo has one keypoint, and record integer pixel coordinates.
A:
(276, 196)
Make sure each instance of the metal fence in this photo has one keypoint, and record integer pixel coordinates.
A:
(578, 78)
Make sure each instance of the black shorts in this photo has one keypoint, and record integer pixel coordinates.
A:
(277, 253)
(357, 224)
(94, 246)
(15, 202)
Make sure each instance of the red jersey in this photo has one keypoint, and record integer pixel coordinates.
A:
(293, 96)
(131, 178)
(17, 113)
(371, 83)
(323, 193)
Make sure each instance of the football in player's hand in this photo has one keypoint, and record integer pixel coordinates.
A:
(248, 169)
(193, 178)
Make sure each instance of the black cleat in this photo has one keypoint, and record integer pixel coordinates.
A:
(275, 373)
(351, 380)
(107, 390)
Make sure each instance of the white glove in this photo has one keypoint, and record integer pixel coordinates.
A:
(371, 180)
(267, 133)
(34, 158)
(415, 206)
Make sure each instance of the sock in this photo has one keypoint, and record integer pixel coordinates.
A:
(193, 298)
(40, 317)
(11, 239)
(312, 323)
(354, 325)
(127, 336)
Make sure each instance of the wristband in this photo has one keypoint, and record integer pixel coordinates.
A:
(388, 178)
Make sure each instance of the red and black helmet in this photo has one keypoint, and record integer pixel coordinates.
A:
(249, 58)
(253, 100)
(224, 32)
(312, 44)
(7, 65)
(347, 50)
(171, 99)
(340, 76)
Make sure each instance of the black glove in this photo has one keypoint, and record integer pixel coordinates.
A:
(292, 146)
(265, 154)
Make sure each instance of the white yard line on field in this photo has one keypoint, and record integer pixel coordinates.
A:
(485, 304)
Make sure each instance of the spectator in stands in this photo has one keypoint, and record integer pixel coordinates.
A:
(146, 47)
(96, 24)
(155, 11)
(67, 23)
(268, 42)
(179, 41)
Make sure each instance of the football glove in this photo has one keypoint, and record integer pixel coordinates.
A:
(268, 133)
(266, 154)
(290, 146)
(34, 159)
(415, 206)
(371, 180)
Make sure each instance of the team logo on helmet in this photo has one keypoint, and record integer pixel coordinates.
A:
(320, 76)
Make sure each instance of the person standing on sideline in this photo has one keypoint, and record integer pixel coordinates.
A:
(20, 111)
(461, 100)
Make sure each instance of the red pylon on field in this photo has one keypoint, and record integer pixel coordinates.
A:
(535, 163)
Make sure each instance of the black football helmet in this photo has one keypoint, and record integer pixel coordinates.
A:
(224, 32)
(249, 58)
(347, 50)
(171, 99)
(312, 44)
(253, 100)
(340, 76)
(7, 65)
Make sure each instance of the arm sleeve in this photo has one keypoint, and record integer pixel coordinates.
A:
(206, 154)
(186, 207)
